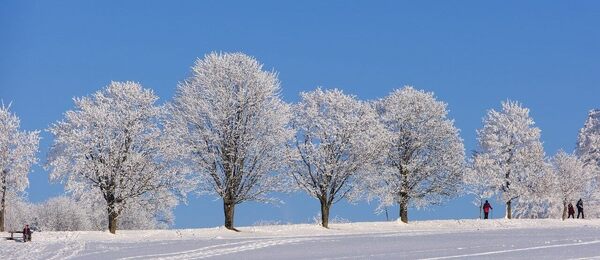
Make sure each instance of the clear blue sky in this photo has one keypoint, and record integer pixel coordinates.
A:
(473, 55)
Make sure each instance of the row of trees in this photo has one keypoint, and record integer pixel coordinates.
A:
(67, 214)
(227, 132)
(510, 162)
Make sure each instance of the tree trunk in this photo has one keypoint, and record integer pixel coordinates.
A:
(404, 209)
(508, 209)
(112, 220)
(325, 213)
(229, 210)
(565, 211)
(2, 208)
(404, 195)
(387, 218)
(480, 208)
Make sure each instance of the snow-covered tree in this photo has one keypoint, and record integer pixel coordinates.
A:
(512, 145)
(18, 212)
(145, 218)
(588, 143)
(588, 150)
(17, 153)
(572, 177)
(61, 214)
(111, 145)
(424, 159)
(477, 180)
(230, 124)
(537, 201)
(337, 137)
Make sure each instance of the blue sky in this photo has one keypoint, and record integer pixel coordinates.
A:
(472, 54)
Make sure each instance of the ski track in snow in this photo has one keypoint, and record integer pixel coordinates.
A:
(515, 250)
(432, 240)
(223, 249)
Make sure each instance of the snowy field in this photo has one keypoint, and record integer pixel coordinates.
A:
(443, 239)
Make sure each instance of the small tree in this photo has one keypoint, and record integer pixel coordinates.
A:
(336, 138)
(229, 122)
(571, 178)
(477, 179)
(111, 144)
(512, 143)
(17, 153)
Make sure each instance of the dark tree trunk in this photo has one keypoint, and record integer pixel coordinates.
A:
(112, 219)
(229, 210)
(404, 196)
(325, 213)
(565, 210)
(509, 209)
(2, 208)
(404, 209)
(111, 208)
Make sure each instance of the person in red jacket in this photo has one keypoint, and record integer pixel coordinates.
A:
(571, 210)
(486, 209)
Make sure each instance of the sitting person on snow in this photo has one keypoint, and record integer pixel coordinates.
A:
(26, 234)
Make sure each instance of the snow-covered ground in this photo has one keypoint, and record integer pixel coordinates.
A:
(440, 239)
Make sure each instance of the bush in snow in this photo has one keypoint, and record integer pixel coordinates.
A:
(61, 214)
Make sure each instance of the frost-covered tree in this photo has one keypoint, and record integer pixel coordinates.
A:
(424, 158)
(572, 177)
(17, 153)
(145, 218)
(537, 201)
(18, 211)
(229, 122)
(514, 152)
(477, 180)
(61, 214)
(588, 150)
(111, 145)
(337, 137)
(588, 143)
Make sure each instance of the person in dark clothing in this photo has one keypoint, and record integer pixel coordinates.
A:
(571, 210)
(486, 209)
(580, 208)
(26, 234)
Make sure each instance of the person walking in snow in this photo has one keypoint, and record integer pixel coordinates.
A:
(580, 208)
(486, 209)
(571, 210)
(26, 234)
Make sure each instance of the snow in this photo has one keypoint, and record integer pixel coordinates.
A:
(439, 239)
